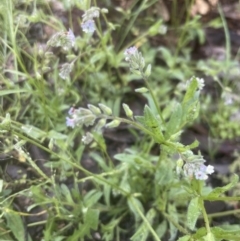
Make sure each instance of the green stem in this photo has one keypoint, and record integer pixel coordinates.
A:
(153, 97)
(98, 177)
(178, 226)
(145, 220)
(225, 213)
(205, 217)
(226, 32)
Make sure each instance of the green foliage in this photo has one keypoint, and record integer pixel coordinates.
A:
(152, 189)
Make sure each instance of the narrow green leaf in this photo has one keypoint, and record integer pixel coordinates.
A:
(219, 190)
(225, 234)
(162, 228)
(150, 119)
(15, 224)
(185, 238)
(193, 213)
(172, 211)
(66, 193)
(191, 90)
(91, 218)
(143, 231)
(175, 120)
(1, 185)
(92, 197)
(132, 207)
(140, 119)
(8, 92)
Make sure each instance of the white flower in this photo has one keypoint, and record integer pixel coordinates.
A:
(199, 81)
(209, 169)
(200, 175)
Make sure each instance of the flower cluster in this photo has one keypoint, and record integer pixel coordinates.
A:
(63, 39)
(200, 82)
(194, 166)
(198, 170)
(88, 24)
(88, 117)
(135, 59)
(65, 70)
(79, 117)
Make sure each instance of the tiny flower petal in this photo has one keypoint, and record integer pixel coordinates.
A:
(129, 52)
(200, 175)
(71, 111)
(70, 122)
(209, 169)
(88, 26)
(71, 37)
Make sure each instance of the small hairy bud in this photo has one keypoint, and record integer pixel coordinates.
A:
(106, 110)
(142, 90)
(95, 110)
(101, 123)
(66, 70)
(127, 110)
(113, 124)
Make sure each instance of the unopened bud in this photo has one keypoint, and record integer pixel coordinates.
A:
(127, 110)
(45, 69)
(148, 71)
(106, 110)
(95, 110)
(142, 90)
(104, 10)
(113, 124)
(101, 123)
(38, 76)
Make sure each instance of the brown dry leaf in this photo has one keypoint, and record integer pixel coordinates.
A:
(162, 10)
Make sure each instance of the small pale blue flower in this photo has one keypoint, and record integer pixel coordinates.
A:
(70, 122)
(88, 26)
(129, 52)
(71, 36)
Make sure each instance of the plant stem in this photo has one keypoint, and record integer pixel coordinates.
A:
(154, 97)
(145, 220)
(178, 226)
(205, 217)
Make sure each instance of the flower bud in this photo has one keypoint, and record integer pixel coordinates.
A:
(113, 124)
(106, 110)
(95, 110)
(38, 75)
(142, 90)
(148, 71)
(104, 10)
(101, 123)
(127, 110)
(45, 69)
